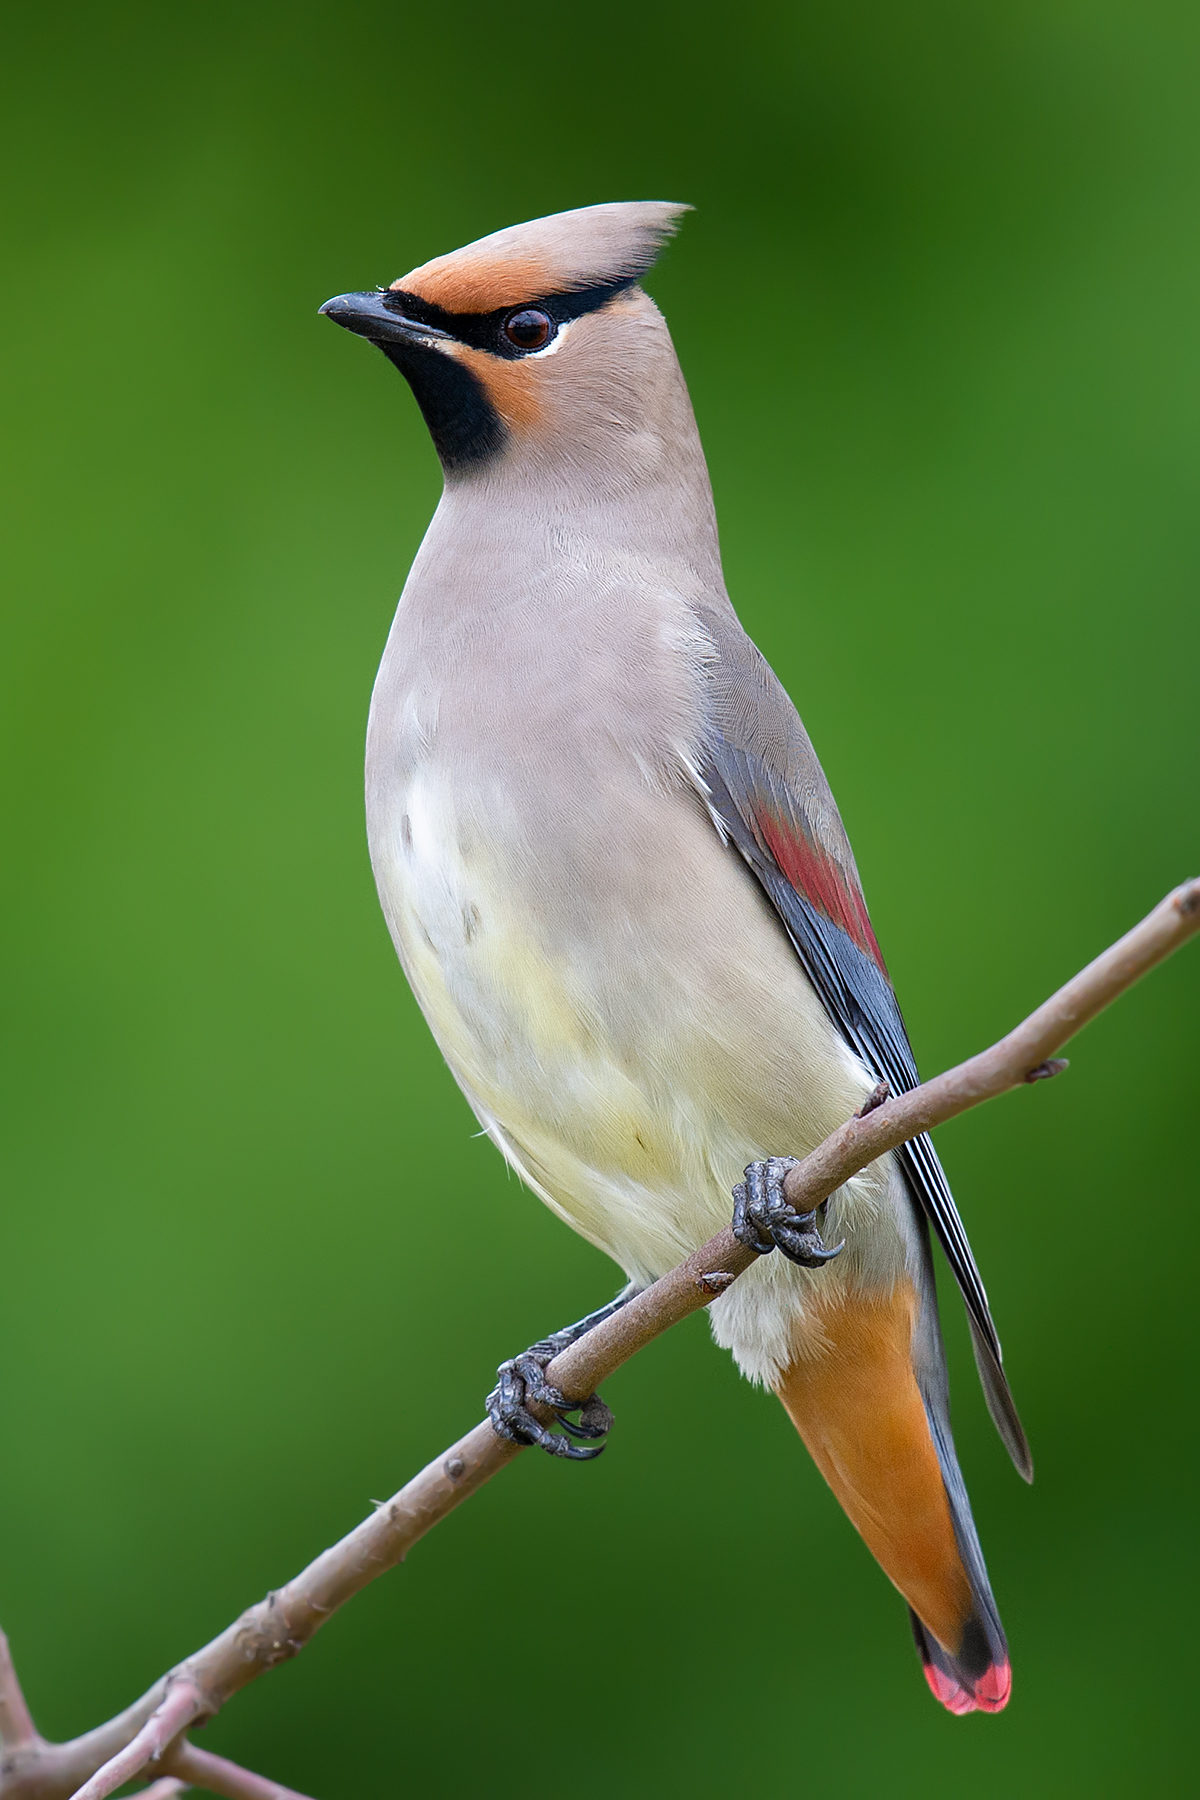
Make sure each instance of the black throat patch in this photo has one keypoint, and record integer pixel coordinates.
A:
(463, 423)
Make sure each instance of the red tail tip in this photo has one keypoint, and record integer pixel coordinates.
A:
(990, 1694)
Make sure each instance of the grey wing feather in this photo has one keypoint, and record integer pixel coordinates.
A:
(769, 795)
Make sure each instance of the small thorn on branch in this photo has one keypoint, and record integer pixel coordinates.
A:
(878, 1094)
(715, 1281)
(1046, 1071)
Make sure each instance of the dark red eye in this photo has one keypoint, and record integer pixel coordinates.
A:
(529, 329)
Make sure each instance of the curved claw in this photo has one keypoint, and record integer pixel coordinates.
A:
(520, 1427)
(808, 1247)
(522, 1380)
(561, 1446)
(763, 1220)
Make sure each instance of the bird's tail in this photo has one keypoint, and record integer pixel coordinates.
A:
(871, 1406)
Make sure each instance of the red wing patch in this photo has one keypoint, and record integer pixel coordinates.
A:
(820, 879)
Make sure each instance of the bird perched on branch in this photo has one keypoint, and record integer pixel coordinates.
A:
(617, 880)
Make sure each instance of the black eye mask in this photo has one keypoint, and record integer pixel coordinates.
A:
(485, 330)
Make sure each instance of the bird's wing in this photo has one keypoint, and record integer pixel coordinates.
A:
(768, 795)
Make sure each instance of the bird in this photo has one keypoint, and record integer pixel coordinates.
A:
(622, 893)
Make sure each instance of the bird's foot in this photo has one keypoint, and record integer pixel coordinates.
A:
(763, 1220)
(522, 1380)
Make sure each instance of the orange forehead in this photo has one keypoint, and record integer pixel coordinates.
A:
(467, 282)
(510, 386)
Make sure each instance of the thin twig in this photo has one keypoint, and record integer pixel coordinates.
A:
(1027, 1051)
(167, 1789)
(279, 1626)
(16, 1722)
(181, 1706)
(42, 1771)
(217, 1775)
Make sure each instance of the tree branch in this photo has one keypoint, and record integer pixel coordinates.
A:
(217, 1775)
(278, 1627)
(16, 1724)
(180, 1706)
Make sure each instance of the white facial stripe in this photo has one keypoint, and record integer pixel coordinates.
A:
(556, 343)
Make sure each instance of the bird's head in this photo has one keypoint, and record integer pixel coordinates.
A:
(534, 344)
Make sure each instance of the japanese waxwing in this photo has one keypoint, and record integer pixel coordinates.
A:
(621, 890)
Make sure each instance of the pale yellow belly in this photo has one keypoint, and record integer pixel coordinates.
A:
(634, 1137)
(589, 1131)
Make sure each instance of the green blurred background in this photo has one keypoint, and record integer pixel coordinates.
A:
(938, 308)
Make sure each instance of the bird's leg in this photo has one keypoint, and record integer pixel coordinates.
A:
(523, 1378)
(764, 1221)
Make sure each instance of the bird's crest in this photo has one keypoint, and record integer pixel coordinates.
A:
(565, 253)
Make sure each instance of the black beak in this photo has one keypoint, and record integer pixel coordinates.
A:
(372, 317)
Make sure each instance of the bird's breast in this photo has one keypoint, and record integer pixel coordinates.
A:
(602, 973)
(465, 931)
